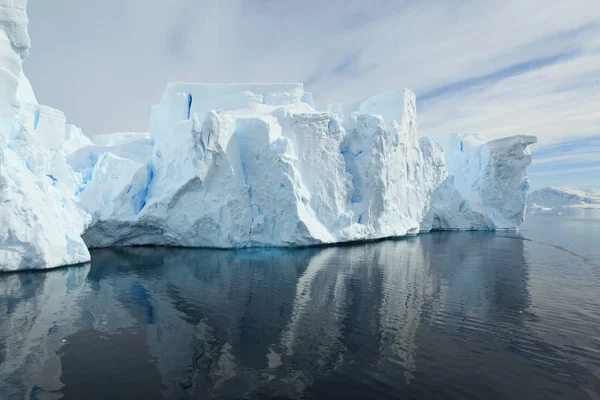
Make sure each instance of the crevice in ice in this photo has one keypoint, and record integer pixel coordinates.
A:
(139, 199)
(53, 178)
(526, 186)
(251, 213)
(189, 105)
(86, 177)
(352, 169)
(243, 153)
(69, 247)
(36, 118)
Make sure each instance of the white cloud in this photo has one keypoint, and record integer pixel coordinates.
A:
(105, 62)
(573, 162)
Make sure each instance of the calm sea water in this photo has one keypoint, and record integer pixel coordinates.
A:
(438, 316)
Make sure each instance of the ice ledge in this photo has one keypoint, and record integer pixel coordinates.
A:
(13, 17)
(392, 105)
(525, 140)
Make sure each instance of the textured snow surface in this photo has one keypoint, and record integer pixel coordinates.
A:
(236, 165)
(41, 220)
(486, 186)
(550, 197)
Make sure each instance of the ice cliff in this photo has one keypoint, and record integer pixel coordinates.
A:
(486, 186)
(41, 221)
(236, 165)
(256, 165)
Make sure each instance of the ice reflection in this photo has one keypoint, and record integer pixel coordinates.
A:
(39, 311)
(244, 323)
(407, 283)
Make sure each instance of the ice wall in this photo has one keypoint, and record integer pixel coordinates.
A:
(487, 183)
(41, 220)
(256, 165)
(14, 46)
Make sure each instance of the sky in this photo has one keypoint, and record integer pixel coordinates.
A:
(495, 68)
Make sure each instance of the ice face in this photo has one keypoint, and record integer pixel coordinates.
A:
(280, 173)
(390, 105)
(13, 16)
(14, 46)
(41, 220)
(487, 183)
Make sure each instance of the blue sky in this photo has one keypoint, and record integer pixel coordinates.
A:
(496, 68)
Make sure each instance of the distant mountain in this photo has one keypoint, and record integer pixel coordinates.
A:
(550, 198)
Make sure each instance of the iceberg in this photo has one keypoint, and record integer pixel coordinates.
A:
(487, 184)
(255, 165)
(237, 165)
(247, 165)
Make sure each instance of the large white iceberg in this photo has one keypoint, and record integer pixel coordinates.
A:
(236, 165)
(256, 165)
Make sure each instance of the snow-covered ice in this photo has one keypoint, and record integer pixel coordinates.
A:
(550, 198)
(41, 221)
(256, 165)
(487, 183)
(236, 165)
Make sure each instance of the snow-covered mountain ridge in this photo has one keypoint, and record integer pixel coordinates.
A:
(551, 198)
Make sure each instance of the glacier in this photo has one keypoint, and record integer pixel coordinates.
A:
(237, 165)
(563, 198)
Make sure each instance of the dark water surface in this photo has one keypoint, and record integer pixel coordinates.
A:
(438, 316)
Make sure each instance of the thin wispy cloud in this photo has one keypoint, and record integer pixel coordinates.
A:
(493, 68)
(573, 162)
